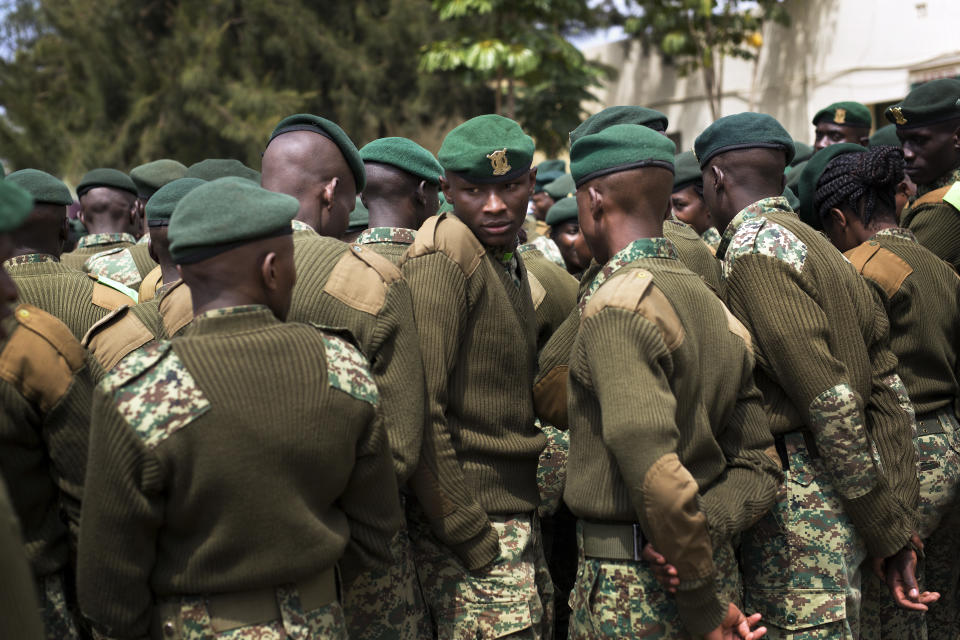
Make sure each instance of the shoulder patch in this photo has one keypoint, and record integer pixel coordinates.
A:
(356, 284)
(108, 296)
(446, 234)
(952, 197)
(155, 393)
(115, 336)
(117, 264)
(176, 308)
(635, 291)
(880, 265)
(387, 270)
(41, 357)
(151, 282)
(348, 370)
(762, 237)
(932, 197)
(537, 292)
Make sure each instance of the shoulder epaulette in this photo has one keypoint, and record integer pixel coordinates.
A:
(149, 285)
(41, 358)
(952, 197)
(356, 283)
(115, 336)
(347, 368)
(880, 265)
(537, 291)
(634, 290)
(110, 294)
(448, 235)
(932, 197)
(176, 308)
(763, 237)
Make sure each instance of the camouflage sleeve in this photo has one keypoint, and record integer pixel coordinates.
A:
(122, 514)
(397, 368)
(438, 290)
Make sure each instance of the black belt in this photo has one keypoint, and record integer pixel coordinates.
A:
(935, 422)
(808, 440)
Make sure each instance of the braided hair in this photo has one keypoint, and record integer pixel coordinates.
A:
(855, 180)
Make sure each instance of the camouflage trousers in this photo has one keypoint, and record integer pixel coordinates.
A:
(58, 620)
(513, 598)
(387, 603)
(622, 598)
(801, 561)
(189, 619)
(552, 469)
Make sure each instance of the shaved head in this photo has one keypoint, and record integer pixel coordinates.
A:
(736, 179)
(108, 210)
(44, 230)
(311, 168)
(396, 198)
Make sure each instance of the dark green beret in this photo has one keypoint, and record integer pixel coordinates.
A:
(359, 217)
(161, 205)
(930, 103)
(42, 186)
(77, 228)
(330, 130)
(15, 205)
(486, 149)
(104, 177)
(562, 210)
(801, 153)
(686, 171)
(406, 155)
(213, 168)
(151, 176)
(610, 116)
(746, 130)
(851, 114)
(791, 197)
(793, 173)
(619, 148)
(547, 172)
(561, 187)
(807, 187)
(885, 137)
(225, 214)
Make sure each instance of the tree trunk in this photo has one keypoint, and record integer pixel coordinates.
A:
(511, 99)
(498, 96)
(709, 83)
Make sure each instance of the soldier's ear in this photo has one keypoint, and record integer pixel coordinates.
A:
(329, 193)
(533, 181)
(420, 195)
(716, 173)
(268, 271)
(595, 201)
(837, 218)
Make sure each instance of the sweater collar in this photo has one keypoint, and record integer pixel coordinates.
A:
(227, 320)
(98, 239)
(300, 226)
(393, 235)
(636, 250)
(896, 232)
(776, 204)
(945, 180)
(30, 258)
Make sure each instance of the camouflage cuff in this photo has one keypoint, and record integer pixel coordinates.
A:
(701, 609)
(836, 417)
(903, 399)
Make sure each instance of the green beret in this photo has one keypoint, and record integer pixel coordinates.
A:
(801, 153)
(359, 217)
(851, 114)
(103, 177)
(562, 210)
(561, 187)
(153, 175)
(486, 149)
(406, 155)
(160, 206)
(930, 103)
(686, 171)
(885, 136)
(793, 173)
(330, 130)
(547, 172)
(15, 205)
(225, 214)
(77, 228)
(42, 186)
(807, 187)
(213, 168)
(619, 148)
(610, 116)
(747, 130)
(791, 197)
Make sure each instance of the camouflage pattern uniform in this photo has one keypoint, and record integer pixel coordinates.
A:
(552, 469)
(95, 243)
(546, 246)
(126, 265)
(395, 235)
(59, 621)
(712, 237)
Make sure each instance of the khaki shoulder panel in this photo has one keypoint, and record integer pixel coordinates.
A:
(116, 336)
(736, 327)
(932, 197)
(448, 235)
(880, 265)
(151, 282)
(635, 291)
(537, 292)
(387, 270)
(41, 357)
(176, 308)
(108, 297)
(550, 396)
(952, 197)
(356, 284)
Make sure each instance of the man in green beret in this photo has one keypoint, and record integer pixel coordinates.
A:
(202, 470)
(565, 233)
(686, 201)
(621, 114)
(542, 200)
(110, 211)
(45, 387)
(928, 125)
(479, 554)
(151, 176)
(557, 189)
(77, 299)
(213, 168)
(841, 122)
(641, 402)
(353, 287)
(830, 389)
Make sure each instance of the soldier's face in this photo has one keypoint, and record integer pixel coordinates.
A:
(573, 246)
(493, 212)
(8, 290)
(689, 207)
(541, 204)
(828, 133)
(930, 152)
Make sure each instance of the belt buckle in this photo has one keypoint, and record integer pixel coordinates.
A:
(637, 542)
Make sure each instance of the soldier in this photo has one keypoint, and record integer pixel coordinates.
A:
(479, 554)
(213, 168)
(357, 223)
(841, 122)
(200, 472)
(354, 287)
(663, 448)
(163, 317)
(928, 125)
(46, 380)
(853, 200)
(687, 199)
(565, 233)
(547, 172)
(829, 386)
(77, 299)
(403, 180)
(110, 212)
(19, 611)
(149, 178)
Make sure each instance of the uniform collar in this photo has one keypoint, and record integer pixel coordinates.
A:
(97, 239)
(299, 226)
(236, 319)
(751, 212)
(393, 235)
(30, 258)
(943, 181)
(636, 250)
(896, 232)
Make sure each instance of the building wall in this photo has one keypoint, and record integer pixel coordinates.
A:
(872, 51)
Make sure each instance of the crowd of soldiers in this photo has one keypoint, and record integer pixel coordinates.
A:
(660, 395)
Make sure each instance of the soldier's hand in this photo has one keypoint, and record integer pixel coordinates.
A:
(901, 577)
(666, 574)
(737, 625)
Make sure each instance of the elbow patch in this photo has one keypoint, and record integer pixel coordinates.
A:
(836, 416)
(677, 527)
(550, 396)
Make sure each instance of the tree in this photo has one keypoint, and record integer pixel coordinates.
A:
(699, 34)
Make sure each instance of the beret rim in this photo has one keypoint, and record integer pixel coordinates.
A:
(747, 145)
(663, 164)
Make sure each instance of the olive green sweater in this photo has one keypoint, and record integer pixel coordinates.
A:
(824, 363)
(921, 295)
(693, 252)
(245, 454)
(478, 338)
(936, 223)
(390, 242)
(667, 427)
(95, 243)
(19, 611)
(554, 293)
(352, 288)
